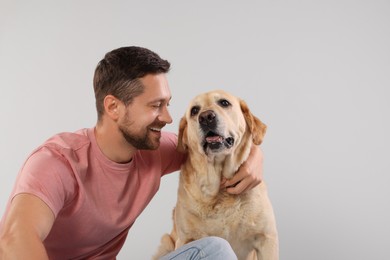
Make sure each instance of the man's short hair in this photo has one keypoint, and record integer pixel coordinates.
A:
(118, 74)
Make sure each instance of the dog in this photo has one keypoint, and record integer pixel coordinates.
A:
(217, 132)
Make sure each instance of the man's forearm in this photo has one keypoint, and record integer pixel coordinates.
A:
(21, 246)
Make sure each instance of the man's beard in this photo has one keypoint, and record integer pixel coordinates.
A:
(140, 141)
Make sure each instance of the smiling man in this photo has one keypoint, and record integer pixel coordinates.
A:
(78, 194)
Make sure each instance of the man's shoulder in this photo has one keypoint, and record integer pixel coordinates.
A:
(69, 140)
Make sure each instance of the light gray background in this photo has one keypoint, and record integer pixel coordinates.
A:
(316, 72)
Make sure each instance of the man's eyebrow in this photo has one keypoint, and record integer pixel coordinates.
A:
(160, 100)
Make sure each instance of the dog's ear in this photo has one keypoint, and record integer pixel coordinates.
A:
(256, 127)
(182, 138)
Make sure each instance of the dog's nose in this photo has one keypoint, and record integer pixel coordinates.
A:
(207, 118)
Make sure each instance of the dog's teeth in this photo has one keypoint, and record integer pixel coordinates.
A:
(214, 139)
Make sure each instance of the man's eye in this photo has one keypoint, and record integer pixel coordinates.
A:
(224, 103)
(195, 110)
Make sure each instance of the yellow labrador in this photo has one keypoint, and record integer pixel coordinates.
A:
(218, 131)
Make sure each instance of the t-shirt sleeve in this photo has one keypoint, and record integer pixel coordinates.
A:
(47, 175)
(171, 159)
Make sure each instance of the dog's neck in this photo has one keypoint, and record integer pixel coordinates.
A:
(205, 176)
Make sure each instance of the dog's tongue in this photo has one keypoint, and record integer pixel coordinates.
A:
(214, 139)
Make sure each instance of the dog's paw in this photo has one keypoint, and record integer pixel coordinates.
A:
(167, 245)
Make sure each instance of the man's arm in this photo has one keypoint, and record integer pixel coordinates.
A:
(249, 175)
(27, 224)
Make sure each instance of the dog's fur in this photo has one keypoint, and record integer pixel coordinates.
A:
(218, 131)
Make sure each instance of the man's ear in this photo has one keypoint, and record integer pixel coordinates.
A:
(256, 127)
(112, 107)
(182, 138)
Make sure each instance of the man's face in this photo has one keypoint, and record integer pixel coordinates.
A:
(147, 114)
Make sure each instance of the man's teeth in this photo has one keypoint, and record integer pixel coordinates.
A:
(155, 129)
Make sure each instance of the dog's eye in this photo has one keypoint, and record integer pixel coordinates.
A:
(224, 103)
(195, 110)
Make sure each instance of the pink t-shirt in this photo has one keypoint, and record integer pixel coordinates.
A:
(95, 200)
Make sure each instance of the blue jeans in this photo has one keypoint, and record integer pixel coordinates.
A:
(208, 248)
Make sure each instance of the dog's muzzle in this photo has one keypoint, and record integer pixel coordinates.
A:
(208, 122)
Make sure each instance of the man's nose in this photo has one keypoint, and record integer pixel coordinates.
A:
(165, 116)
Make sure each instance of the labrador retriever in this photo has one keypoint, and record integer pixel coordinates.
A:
(218, 131)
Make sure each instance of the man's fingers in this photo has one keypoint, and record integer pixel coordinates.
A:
(239, 187)
(241, 182)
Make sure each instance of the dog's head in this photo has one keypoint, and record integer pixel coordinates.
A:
(216, 122)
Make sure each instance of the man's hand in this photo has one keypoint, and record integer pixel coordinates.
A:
(249, 175)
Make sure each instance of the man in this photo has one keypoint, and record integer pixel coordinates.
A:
(78, 194)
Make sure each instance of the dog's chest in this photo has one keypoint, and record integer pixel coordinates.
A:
(226, 216)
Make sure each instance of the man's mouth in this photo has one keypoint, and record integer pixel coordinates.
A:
(156, 129)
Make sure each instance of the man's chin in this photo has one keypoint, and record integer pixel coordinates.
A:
(155, 144)
(152, 144)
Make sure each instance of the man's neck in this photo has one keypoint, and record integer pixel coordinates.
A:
(112, 144)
